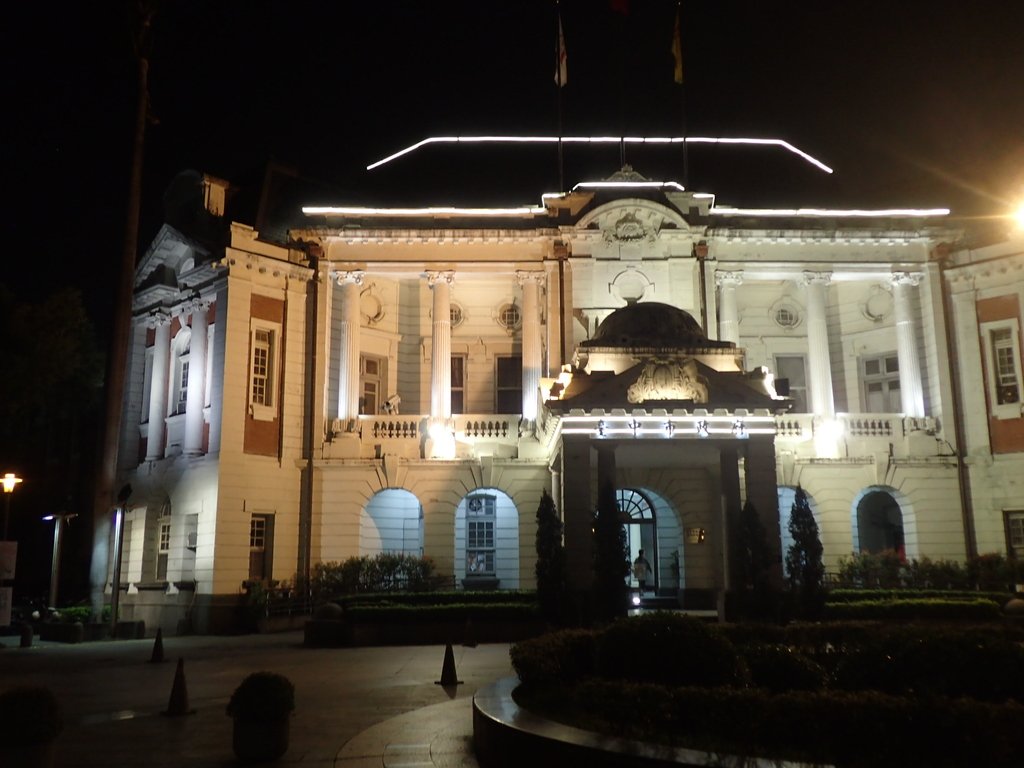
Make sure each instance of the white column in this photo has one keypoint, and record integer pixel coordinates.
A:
(818, 360)
(160, 321)
(911, 390)
(348, 345)
(728, 313)
(532, 357)
(441, 346)
(196, 398)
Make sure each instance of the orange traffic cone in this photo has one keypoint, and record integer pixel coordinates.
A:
(158, 647)
(178, 703)
(448, 676)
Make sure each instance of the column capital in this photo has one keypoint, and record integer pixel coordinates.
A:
(196, 304)
(523, 277)
(906, 278)
(345, 277)
(158, 318)
(433, 278)
(817, 278)
(724, 278)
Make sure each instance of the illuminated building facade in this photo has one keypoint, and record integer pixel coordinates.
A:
(412, 380)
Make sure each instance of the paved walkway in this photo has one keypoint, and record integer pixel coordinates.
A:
(355, 707)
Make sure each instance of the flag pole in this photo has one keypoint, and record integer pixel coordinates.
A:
(561, 69)
(677, 76)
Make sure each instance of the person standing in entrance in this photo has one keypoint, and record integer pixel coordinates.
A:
(641, 570)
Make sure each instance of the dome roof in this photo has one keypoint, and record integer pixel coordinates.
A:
(651, 324)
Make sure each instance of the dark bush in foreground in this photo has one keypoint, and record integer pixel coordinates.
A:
(558, 658)
(29, 715)
(779, 668)
(864, 730)
(667, 648)
(898, 694)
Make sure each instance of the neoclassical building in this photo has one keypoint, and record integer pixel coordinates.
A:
(386, 379)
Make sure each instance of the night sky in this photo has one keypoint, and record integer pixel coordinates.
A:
(912, 104)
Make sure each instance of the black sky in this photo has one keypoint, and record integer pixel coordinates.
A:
(912, 104)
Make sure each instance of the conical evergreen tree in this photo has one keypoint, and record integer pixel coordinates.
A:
(611, 559)
(550, 568)
(754, 555)
(803, 559)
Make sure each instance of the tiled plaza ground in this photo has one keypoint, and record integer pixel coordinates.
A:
(355, 707)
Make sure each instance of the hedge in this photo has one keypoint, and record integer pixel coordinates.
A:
(853, 730)
(886, 694)
(890, 610)
(858, 595)
(404, 614)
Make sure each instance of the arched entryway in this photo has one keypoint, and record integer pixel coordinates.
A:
(878, 523)
(641, 529)
(392, 521)
(487, 540)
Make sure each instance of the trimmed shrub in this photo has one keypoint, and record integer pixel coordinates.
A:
(670, 649)
(779, 668)
(555, 659)
(936, 610)
(383, 572)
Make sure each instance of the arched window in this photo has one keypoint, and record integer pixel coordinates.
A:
(641, 531)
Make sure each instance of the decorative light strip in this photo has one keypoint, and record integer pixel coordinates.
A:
(599, 140)
(736, 425)
(331, 210)
(628, 185)
(726, 211)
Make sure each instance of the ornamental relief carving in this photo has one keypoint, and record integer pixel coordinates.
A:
(629, 228)
(663, 379)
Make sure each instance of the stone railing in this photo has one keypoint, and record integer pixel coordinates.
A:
(378, 428)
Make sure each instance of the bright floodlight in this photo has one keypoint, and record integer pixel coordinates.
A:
(10, 480)
(1018, 216)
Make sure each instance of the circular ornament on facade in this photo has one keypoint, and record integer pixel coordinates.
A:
(509, 317)
(878, 305)
(371, 307)
(456, 315)
(786, 314)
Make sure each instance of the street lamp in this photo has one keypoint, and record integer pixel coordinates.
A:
(59, 521)
(10, 481)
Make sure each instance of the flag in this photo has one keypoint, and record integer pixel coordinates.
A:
(677, 53)
(561, 59)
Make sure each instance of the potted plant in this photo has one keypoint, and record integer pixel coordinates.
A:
(30, 721)
(261, 707)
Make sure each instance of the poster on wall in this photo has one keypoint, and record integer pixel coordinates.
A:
(8, 556)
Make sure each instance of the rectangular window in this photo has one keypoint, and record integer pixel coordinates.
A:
(163, 549)
(1001, 349)
(264, 356)
(458, 384)
(371, 380)
(508, 384)
(1004, 364)
(182, 385)
(261, 348)
(261, 537)
(480, 522)
(1015, 533)
(793, 369)
(880, 379)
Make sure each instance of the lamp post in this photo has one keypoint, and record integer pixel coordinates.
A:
(119, 513)
(10, 482)
(59, 521)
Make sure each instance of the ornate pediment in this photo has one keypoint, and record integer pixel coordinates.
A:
(667, 379)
